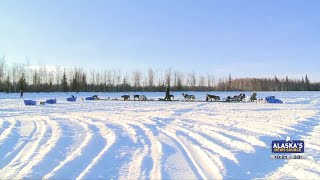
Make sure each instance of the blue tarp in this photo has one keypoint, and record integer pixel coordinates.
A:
(89, 98)
(72, 99)
(272, 99)
(30, 102)
(51, 101)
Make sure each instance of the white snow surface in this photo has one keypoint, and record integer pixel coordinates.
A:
(156, 140)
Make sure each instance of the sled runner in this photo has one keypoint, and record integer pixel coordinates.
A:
(161, 99)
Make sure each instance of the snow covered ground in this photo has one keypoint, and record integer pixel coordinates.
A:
(156, 140)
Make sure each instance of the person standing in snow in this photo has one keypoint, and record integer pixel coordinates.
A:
(167, 94)
(21, 94)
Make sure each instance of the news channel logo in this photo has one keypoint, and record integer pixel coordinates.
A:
(287, 149)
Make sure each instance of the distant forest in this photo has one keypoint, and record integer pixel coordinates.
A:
(16, 77)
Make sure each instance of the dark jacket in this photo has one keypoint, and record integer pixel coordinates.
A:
(168, 91)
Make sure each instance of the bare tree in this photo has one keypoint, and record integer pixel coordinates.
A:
(92, 79)
(168, 76)
(202, 81)
(179, 79)
(114, 80)
(35, 79)
(125, 82)
(98, 80)
(193, 79)
(109, 80)
(136, 79)
(104, 80)
(44, 78)
(58, 77)
(150, 79)
(145, 81)
(2, 64)
(16, 72)
(161, 82)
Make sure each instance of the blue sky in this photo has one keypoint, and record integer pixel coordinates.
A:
(245, 38)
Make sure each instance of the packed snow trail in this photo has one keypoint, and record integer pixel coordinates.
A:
(156, 140)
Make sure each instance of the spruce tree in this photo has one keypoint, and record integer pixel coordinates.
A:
(307, 83)
(7, 85)
(64, 82)
(22, 84)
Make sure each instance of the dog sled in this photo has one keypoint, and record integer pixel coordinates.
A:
(51, 101)
(34, 103)
(29, 102)
(273, 100)
(72, 99)
(89, 98)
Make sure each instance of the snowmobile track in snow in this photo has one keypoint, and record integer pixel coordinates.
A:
(120, 140)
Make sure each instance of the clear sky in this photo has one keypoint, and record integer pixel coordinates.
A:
(245, 38)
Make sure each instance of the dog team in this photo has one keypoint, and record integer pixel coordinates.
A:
(187, 97)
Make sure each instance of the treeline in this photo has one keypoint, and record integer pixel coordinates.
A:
(16, 77)
(267, 84)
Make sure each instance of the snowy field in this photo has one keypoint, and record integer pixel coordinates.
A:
(156, 140)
